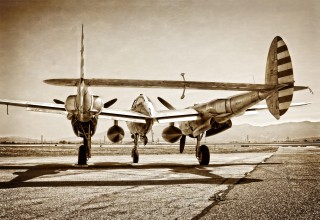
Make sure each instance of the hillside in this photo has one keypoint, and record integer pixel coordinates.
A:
(238, 133)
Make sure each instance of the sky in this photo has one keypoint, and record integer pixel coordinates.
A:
(221, 41)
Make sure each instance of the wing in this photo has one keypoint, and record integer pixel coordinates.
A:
(167, 116)
(254, 110)
(113, 114)
(168, 84)
(36, 106)
(123, 115)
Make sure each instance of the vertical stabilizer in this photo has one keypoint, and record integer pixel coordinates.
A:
(82, 59)
(279, 71)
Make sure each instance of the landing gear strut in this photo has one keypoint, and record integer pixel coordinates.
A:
(85, 150)
(135, 153)
(202, 152)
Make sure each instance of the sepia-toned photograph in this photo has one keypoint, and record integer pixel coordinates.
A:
(159, 109)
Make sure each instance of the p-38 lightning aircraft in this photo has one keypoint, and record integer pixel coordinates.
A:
(84, 109)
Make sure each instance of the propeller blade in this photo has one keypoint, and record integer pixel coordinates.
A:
(109, 103)
(57, 101)
(182, 143)
(166, 104)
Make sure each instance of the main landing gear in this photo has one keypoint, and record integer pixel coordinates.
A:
(202, 152)
(135, 153)
(85, 150)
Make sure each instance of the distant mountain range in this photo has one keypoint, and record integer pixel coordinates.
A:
(238, 133)
(15, 139)
(279, 132)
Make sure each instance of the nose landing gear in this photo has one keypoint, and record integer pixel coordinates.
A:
(135, 153)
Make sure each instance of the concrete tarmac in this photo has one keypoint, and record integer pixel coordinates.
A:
(234, 185)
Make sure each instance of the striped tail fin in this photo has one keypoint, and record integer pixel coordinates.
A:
(279, 71)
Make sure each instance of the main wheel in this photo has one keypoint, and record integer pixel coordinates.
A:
(82, 155)
(135, 156)
(204, 155)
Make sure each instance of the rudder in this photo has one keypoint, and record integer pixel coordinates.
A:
(279, 71)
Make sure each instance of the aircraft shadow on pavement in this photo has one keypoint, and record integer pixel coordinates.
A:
(32, 172)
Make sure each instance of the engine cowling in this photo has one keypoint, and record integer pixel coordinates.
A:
(70, 103)
(115, 133)
(171, 134)
(97, 104)
(217, 127)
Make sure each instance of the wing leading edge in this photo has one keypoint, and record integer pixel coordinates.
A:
(168, 116)
(254, 110)
(109, 113)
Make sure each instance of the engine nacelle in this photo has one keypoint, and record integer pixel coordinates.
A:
(217, 128)
(70, 103)
(171, 134)
(97, 104)
(115, 133)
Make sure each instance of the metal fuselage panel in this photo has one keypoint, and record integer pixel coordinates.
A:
(143, 105)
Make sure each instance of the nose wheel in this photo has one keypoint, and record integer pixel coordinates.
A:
(135, 155)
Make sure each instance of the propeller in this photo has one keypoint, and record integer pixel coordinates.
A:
(109, 103)
(166, 104)
(57, 101)
(182, 143)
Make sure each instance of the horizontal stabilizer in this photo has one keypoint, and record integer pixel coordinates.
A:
(170, 84)
(62, 82)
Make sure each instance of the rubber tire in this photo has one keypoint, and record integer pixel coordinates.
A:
(135, 155)
(82, 155)
(204, 155)
(182, 143)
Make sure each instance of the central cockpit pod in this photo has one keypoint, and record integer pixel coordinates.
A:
(143, 104)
